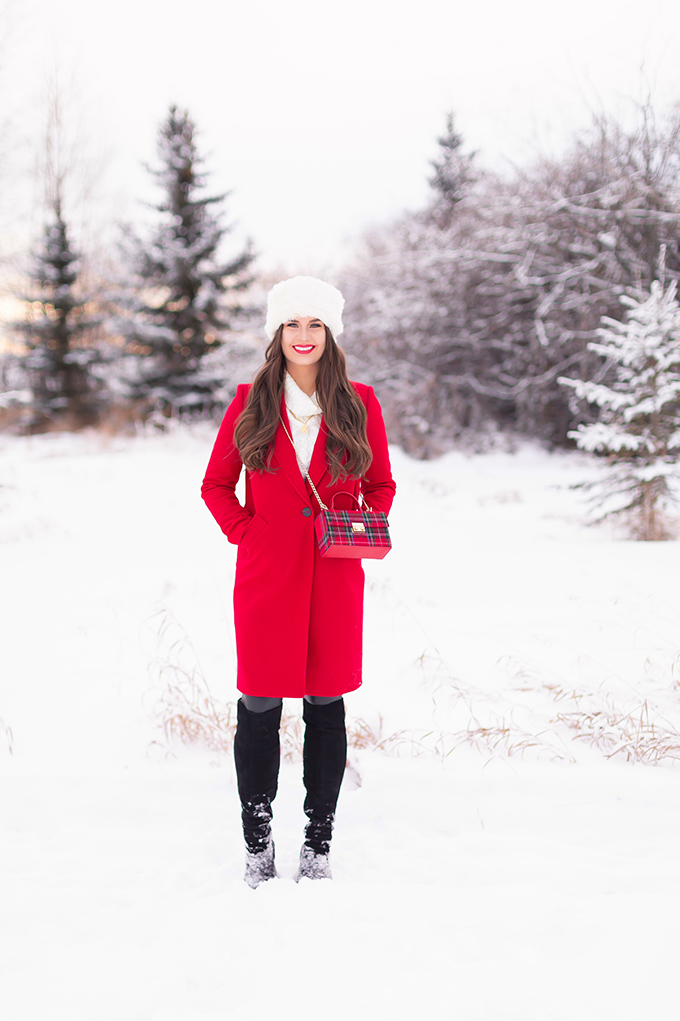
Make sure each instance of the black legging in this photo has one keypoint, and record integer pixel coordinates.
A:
(260, 704)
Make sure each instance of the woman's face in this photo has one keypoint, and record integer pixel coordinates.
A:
(303, 341)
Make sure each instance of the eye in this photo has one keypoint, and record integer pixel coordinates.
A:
(292, 323)
(316, 324)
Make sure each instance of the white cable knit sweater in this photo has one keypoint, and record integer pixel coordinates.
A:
(303, 406)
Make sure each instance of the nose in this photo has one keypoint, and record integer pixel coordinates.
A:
(305, 334)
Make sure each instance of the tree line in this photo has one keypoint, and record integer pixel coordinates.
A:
(468, 312)
(147, 341)
(470, 315)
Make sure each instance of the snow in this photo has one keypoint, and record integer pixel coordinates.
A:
(522, 875)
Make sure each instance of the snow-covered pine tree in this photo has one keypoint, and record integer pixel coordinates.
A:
(452, 173)
(57, 334)
(639, 426)
(185, 297)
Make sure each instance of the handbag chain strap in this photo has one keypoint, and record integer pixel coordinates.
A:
(321, 503)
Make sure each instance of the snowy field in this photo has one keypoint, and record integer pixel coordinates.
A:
(498, 851)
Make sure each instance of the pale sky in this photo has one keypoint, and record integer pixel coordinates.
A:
(321, 116)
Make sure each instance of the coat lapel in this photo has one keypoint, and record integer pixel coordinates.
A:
(285, 455)
(318, 466)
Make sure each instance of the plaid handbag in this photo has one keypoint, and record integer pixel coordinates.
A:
(362, 533)
(351, 534)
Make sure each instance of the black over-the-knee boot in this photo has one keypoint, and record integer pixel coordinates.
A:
(257, 756)
(324, 759)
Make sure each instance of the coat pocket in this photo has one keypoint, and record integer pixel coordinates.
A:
(255, 527)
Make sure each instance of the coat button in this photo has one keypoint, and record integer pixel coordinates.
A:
(307, 511)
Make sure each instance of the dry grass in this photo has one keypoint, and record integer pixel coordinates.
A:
(488, 721)
(637, 733)
(184, 706)
(189, 714)
(638, 726)
(126, 419)
(508, 739)
(518, 719)
(9, 737)
(11, 419)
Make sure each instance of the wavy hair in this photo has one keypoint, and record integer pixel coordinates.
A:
(348, 453)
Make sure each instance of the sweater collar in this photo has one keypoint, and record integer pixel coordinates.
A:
(297, 400)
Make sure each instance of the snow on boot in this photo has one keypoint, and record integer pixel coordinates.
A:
(257, 757)
(313, 865)
(324, 759)
(260, 866)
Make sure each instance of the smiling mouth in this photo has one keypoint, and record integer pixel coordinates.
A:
(303, 349)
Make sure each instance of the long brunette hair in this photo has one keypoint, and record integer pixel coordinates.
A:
(348, 453)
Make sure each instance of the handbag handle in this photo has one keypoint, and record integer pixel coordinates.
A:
(360, 505)
(322, 505)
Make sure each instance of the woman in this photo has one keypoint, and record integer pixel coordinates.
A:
(298, 616)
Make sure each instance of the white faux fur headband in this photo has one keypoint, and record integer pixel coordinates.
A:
(307, 297)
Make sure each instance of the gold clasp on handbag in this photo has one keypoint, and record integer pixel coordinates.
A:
(358, 526)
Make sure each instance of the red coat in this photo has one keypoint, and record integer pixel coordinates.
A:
(298, 616)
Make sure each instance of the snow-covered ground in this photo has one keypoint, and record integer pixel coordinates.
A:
(490, 861)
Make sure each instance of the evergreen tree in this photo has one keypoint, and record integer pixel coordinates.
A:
(639, 426)
(185, 296)
(452, 172)
(58, 334)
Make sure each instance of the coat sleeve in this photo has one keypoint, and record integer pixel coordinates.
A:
(377, 486)
(224, 469)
